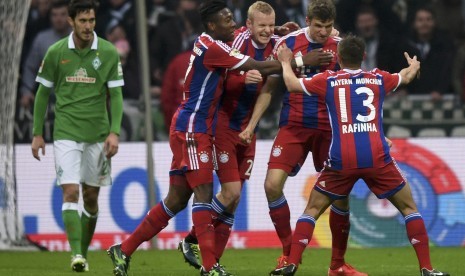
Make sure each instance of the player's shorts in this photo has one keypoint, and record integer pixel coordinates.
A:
(192, 157)
(234, 158)
(77, 163)
(292, 145)
(383, 182)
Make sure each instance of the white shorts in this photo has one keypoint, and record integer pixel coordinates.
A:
(78, 163)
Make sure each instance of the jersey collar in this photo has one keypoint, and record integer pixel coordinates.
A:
(71, 44)
(352, 71)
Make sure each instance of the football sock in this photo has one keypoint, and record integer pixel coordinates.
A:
(418, 237)
(72, 222)
(281, 217)
(301, 238)
(191, 237)
(88, 223)
(223, 224)
(340, 225)
(155, 220)
(202, 219)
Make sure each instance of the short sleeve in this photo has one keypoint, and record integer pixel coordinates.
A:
(315, 84)
(220, 55)
(46, 74)
(390, 81)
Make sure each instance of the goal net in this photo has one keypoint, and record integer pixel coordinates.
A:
(13, 16)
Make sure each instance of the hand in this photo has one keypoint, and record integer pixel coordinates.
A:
(246, 136)
(253, 76)
(38, 143)
(389, 142)
(413, 63)
(334, 32)
(284, 54)
(318, 57)
(286, 28)
(111, 145)
(26, 100)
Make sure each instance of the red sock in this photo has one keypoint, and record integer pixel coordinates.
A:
(340, 226)
(418, 237)
(301, 238)
(222, 233)
(281, 218)
(155, 220)
(202, 219)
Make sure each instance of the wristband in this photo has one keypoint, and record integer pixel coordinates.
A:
(299, 61)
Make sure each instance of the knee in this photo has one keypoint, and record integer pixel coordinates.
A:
(71, 194)
(175, 204)
(273, 190)
(231, 196)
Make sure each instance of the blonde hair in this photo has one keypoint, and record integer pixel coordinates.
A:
(259, 6)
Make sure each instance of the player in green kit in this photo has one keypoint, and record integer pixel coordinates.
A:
(83, 70)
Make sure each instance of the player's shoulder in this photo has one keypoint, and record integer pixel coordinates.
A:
(106, 46)
(333, 40)
(59, 46)
(241, 36)
(292, 36)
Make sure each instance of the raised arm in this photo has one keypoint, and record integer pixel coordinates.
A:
(409, 73)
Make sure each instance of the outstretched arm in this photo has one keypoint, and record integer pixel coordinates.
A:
(409, 73)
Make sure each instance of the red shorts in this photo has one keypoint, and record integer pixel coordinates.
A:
(192, 157)
(383, 182)
(234, 159)
(292, 145)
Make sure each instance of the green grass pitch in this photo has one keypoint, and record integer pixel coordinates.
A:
(376, 262)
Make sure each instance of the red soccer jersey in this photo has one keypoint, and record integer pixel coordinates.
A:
(203, 85)
(301, 109)
(354, 99)
(239, 99)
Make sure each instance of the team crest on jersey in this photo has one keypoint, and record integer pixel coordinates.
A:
(96, 63)
(80, 75)
(224, 157)
(235, 53)
(204, 157)
(277, 150)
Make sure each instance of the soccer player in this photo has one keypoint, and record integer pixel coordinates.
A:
(358, 149)
(304, 128)
(234, 158)
(191, 138)
(83, 69)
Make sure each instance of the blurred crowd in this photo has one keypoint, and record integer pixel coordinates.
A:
(434, 30)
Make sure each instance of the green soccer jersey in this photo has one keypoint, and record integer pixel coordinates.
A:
(80, 78)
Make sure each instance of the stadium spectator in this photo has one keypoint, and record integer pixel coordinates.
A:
(458, 75)
(118, 12)
(59, 29)
(191, 138)
(84, 69)
(383, 48)
(304, 127)
(385, 9)
(37, 21)
(174, 36)
(436, 51)
(350, 159)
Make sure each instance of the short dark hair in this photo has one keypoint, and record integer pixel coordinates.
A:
(323, 10)
(351, 50)
(77, 6)
(56, 4)
(209, 9)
